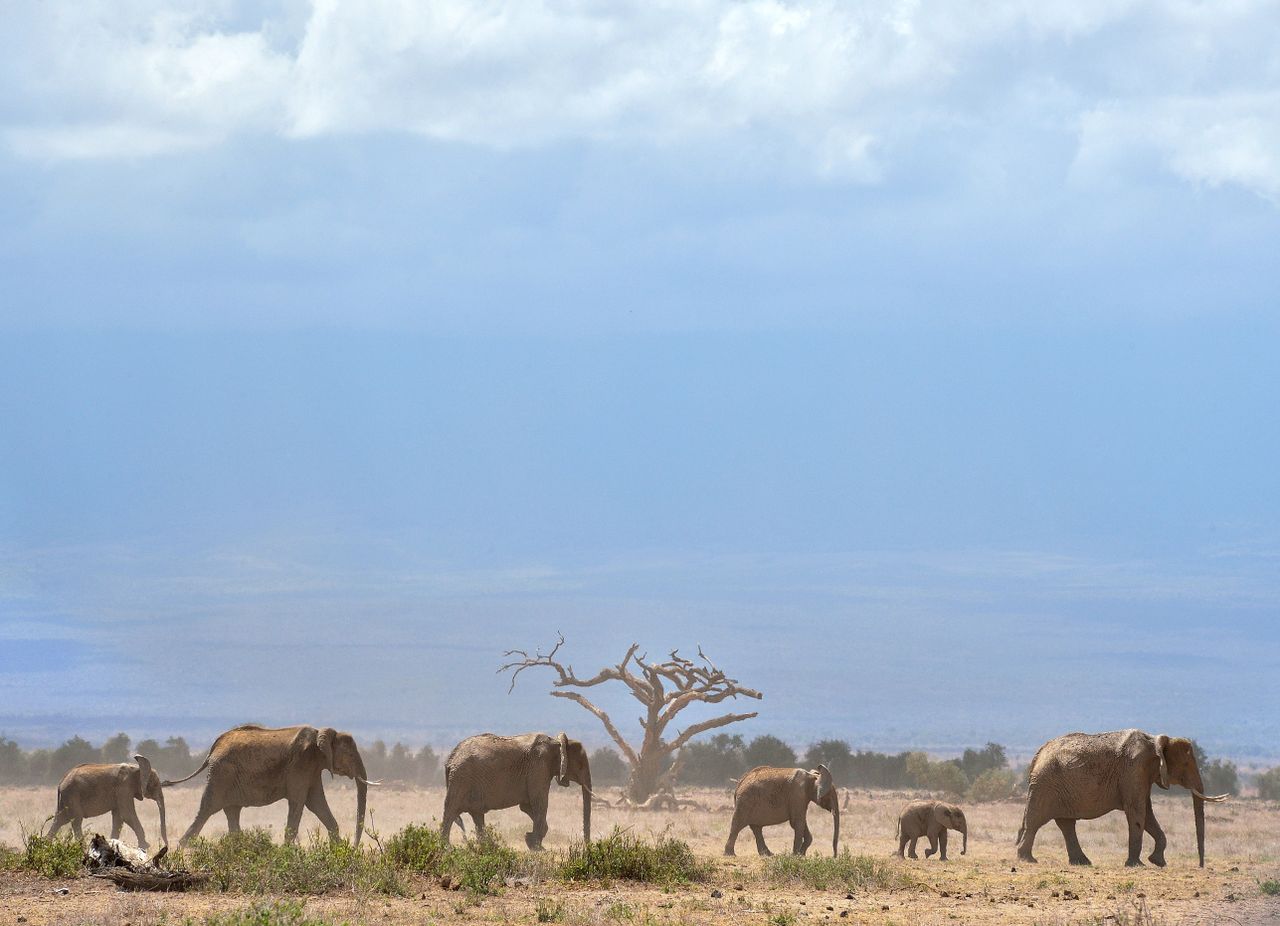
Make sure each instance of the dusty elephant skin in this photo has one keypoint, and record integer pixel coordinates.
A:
(91, 790)
(252, 766)
(491, 772)
(931, 819)
(1082, 776)
(766, 796)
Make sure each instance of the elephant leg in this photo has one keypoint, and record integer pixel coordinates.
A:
(117, 821)
(801, 838)
(452, 812)
(208, 807)
(1137, 817)
(758, 831)
(75, 827)
(477, 819)
(293, 820)
(1032, 820)
(1153, 827)
(942, 846)
(536, 811)
(132, 821)
(933, 845)
(1075, 855)
(734, 829)
(60, 819)
(318, 804)
(903, 839)
(911, 850)
(233, 818)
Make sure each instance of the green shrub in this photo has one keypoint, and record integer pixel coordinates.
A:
(419, 848)
(482, 863)
(1270, 888)
(1269, 784)
(995, 784)
(56, 857)
(251, 863)
(844, 872)
(279, 913)
(549, 911)
(626, 857)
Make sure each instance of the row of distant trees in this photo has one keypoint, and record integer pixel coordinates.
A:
(977, 774)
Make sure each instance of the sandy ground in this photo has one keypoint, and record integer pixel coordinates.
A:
(987, 885)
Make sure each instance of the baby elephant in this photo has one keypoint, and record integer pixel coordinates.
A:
(782, 795)
(931, 819)
(91, 790)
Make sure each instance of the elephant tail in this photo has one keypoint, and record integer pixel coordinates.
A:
(177, 781)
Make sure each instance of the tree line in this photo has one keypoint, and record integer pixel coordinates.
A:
(174, 759)
(977, 774)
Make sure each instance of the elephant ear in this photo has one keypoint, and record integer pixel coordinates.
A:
(324, 742)
(1162, 743)
(144, 775)
(303, 742)
(562, 779)
(825, 783)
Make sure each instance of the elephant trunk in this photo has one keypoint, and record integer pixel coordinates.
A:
(586, 808)
(164, 831)
(835, 816)
(362, 792)
(1197, 804)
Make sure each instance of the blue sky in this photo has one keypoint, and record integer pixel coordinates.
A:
(915, 359)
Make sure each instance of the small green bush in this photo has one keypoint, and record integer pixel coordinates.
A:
(549, 911)
(56, 857)
(482, 863)
(418, 848)
(1270, 888)
(279, 913)
(995, 784)
(250, 862)
(844, 872)
(626, 857)
(1269, 784)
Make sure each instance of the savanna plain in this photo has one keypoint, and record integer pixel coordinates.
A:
(868, 884)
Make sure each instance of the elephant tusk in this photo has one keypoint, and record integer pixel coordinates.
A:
(375, 784)
(1216, 799)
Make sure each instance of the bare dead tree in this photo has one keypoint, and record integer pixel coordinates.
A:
(664, 688)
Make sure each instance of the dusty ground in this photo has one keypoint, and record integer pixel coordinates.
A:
(981, 887)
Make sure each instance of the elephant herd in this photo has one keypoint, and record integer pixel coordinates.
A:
(1074, 777)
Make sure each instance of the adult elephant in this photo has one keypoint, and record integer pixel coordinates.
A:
(92, 790)
(491, 772)
(252, 766)
(766, 796)
(1082, 776)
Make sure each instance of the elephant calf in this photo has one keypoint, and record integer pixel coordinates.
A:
(766, 796)
(92, 790)
(931, 819)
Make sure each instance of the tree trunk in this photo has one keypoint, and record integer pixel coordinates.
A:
(644, 777)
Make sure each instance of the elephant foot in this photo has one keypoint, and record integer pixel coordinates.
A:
(1028, 858)
(1079, 860)
(928, 852)
(1156, 859)
(1134, 863)
(534, 844)
(913, 855)
(766, 854)
(942, 858)
(730, 853)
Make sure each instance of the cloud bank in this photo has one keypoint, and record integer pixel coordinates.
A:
(845, 91)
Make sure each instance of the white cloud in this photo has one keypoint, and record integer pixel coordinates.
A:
(1231, 139)
(843, 88)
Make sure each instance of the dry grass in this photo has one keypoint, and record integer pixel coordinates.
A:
(981, 887)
